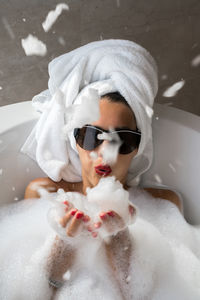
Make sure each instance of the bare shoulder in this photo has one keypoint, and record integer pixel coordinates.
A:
(50, 185)
(165, 194)
(43, 182)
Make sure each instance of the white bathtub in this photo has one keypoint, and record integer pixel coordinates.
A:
(176, 136)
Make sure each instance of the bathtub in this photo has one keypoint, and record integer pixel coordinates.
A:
(176, 164)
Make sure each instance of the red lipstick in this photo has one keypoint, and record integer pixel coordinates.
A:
(103, 170)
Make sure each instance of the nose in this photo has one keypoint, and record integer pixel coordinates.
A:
(99, 149)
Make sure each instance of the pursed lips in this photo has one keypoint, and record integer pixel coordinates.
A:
(103, 170)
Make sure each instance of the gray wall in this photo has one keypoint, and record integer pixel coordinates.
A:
(169, 29)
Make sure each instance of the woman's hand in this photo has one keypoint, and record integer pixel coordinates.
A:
(113, 222)
(74, 220)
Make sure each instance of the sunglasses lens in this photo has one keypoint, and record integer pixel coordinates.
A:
(130, 142)
(86, 138)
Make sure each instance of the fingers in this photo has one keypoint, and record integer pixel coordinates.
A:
(67, 217)
(112, 221)
(93, 227)
(74, 220)
(132, 210)
(76, 224)
(68, 205)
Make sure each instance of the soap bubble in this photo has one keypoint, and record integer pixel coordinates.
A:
(195, 61)
(33, 46)
(173, 90)
(53, 15)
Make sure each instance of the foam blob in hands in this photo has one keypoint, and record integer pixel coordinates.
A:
(109, 195)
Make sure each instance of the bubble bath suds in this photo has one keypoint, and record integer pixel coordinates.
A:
(165, 257)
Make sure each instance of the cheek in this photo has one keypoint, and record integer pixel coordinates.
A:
(125, 160)
(85, 158)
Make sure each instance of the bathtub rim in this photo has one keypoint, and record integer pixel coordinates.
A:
(16, 114)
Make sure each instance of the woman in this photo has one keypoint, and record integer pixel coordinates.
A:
(124, 110)
(116, 113)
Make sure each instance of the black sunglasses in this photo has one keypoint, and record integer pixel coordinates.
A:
(87, 138)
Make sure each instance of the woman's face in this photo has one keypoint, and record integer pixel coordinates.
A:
(112, 115)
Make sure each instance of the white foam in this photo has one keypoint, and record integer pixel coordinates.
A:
(67, 275)
(172, 167)
(61, 41)
(108, 195)
(110, 149)
(165, 255)
(158, 178)
(195, 61)
(93, 155)
(33, 46)
(78, 115)
(164, 77)
(173, 90)
(22, 239)
(53, 15)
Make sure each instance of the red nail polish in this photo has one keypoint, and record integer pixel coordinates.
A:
(89, 228)
(66, 202)
(111, 213)
(74, 211)
(94, 234)
(97, 225)
(86, 219)
(131, 210)
(79, 215)
(102, 216)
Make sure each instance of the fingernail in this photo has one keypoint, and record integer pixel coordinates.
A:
(73, 212)
(131, 210)
(86, 219)
(66, 202)
(79, 215)
(94, 234)
(111, 213)
(97, 225)
(89, 228)
(103, 216)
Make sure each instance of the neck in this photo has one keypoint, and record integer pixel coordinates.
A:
(85, 185)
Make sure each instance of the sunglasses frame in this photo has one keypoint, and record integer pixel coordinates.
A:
(117, 130)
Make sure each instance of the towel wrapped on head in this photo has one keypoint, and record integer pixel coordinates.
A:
(104, 66)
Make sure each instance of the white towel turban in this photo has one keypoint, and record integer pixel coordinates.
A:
(107, 66)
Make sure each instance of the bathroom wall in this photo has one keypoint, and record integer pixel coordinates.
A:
(169, 29)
